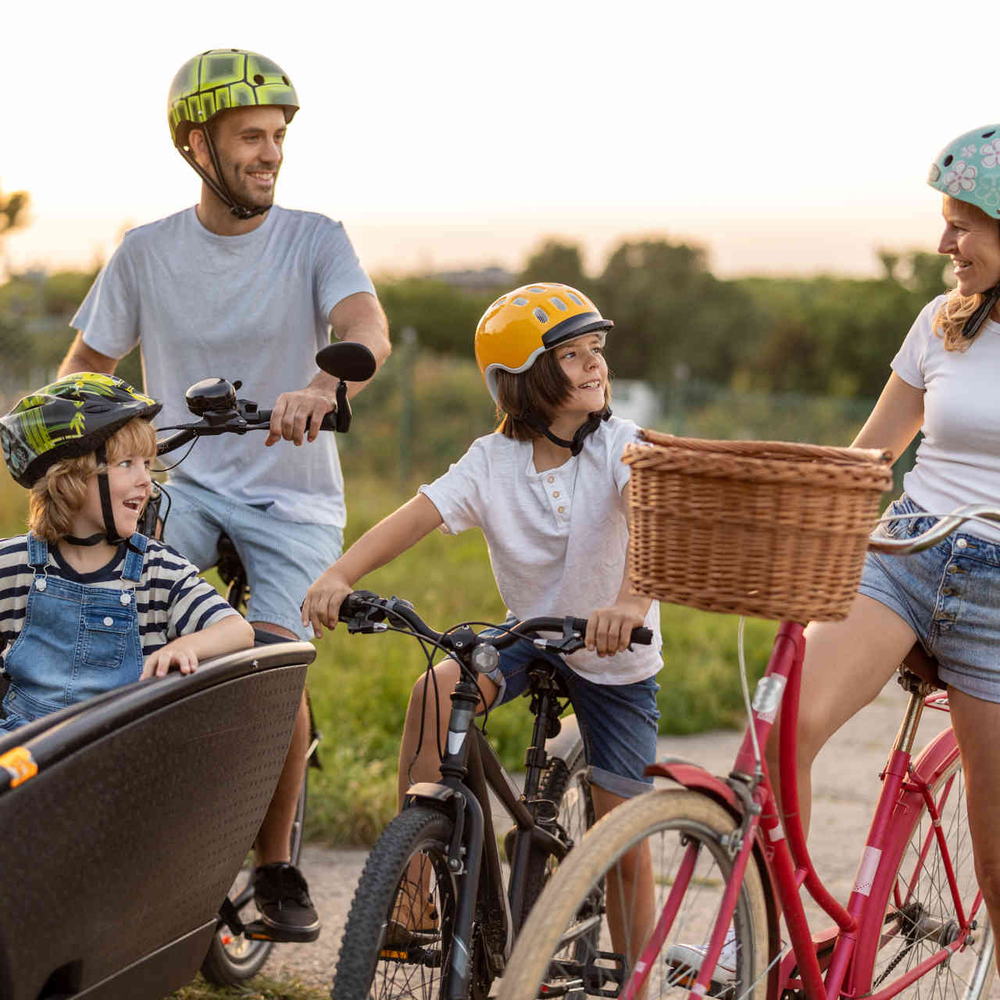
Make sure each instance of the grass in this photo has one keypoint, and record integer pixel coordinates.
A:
(258, 988)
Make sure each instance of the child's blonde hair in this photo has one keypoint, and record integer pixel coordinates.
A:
(57, 497)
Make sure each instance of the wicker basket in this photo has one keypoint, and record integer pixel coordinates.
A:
(759, 528)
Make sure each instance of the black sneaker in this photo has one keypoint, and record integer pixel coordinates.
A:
(282, 897)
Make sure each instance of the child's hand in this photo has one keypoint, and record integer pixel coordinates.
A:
(609, 629)
(172, 655)
(323, 600)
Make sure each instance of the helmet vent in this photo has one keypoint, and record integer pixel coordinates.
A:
(520, 301)
(540, 314)
(573, 298)
(534, 289)
(258, 79)
(992, 131)
(558, 303)
(284, 80)
(948, 159)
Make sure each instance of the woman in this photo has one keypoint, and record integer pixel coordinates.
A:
(944, 382)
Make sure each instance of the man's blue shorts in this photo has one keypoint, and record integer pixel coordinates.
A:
(282, 558)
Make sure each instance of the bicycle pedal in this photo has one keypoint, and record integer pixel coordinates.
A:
(259, 931)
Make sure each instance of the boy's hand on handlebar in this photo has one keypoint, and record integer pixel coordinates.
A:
(609, 629)
(323, 599)
(294, 411)
(158, 664)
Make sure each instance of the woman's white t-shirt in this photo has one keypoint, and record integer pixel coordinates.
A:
(557, 539)
(958, 460)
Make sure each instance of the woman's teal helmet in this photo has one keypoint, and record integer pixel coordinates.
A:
(968, 169)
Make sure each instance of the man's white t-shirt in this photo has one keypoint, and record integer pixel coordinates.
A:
(958, 459)
(557, 539)
(253, 307)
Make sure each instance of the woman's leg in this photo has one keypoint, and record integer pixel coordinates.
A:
(847, 664)
(977, 728)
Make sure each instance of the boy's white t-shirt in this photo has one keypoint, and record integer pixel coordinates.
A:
(958, 460)
(557, 539)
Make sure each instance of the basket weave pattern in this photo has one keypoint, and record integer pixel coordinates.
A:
(766, 529)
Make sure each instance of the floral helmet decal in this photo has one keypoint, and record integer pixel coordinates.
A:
(968, 169)
(66, 419)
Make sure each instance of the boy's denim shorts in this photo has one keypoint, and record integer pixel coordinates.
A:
(282, 558)
(618, 722)
(949, 595)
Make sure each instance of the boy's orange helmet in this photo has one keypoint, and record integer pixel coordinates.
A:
(522, 324)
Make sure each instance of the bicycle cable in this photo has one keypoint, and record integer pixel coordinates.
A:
(746, 690)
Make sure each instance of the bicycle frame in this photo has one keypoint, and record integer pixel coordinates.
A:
(749, 793)
(470, 769)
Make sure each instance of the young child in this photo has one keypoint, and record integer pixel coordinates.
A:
(549, 490)
(86, 602)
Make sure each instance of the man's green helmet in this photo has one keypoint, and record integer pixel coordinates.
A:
(225, 78)
(968, 169)
(67, 419)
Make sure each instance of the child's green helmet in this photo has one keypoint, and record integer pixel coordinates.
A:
(69, 418)
(968, 169)
(220, 79)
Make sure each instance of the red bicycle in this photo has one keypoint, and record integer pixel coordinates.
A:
(725, 867)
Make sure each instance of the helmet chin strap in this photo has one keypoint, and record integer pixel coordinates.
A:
(582, 432)
(110, 533)
(219, 187)
(976, 320)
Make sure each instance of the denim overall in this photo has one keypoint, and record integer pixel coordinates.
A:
(77, 640)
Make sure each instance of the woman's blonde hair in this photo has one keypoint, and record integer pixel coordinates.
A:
(58, 496)
(950, 320)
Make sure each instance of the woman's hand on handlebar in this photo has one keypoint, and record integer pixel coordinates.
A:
(294, 411)
(323, 599)
(609, 630)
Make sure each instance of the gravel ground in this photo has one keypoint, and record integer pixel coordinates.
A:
(846, 777)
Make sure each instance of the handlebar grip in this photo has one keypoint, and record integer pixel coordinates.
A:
(641, 635)
(329, 420)
(356, 602)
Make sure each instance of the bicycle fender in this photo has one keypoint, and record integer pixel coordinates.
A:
(694, 776)
(432, 791)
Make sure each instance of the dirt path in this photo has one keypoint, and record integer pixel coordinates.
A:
(846, 787)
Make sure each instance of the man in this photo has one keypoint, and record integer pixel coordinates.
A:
(239, 287)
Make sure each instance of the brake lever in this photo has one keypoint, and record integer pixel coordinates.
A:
(571, 641)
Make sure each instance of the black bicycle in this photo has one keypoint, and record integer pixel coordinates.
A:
(443, 896)
(242, 943)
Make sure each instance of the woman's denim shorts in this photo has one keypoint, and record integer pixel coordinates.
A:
(618, 722)
(949, 595)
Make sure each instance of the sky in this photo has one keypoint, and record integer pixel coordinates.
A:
(783, 137)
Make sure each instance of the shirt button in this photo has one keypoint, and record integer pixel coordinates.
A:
(108, 620)
(562, 510)
(555, 493)
(552, 479)
(953, 569)
(962, 543)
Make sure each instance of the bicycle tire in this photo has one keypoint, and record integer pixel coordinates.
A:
(370, 964)
(668, 821)
(232, 958)
(917, 910)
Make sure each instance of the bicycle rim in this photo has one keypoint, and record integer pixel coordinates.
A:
(567, 947)
(920, 915)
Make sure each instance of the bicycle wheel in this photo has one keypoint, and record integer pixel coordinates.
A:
(232, 958)
(919, 911)
(379, 956)
(554, 956)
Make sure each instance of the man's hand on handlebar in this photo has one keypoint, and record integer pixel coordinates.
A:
(323, 599)
(294, 411)
(609, 629)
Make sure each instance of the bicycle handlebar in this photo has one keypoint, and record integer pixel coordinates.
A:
(364, 611)
(934, 534)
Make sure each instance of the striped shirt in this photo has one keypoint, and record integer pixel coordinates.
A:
(170, 598)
